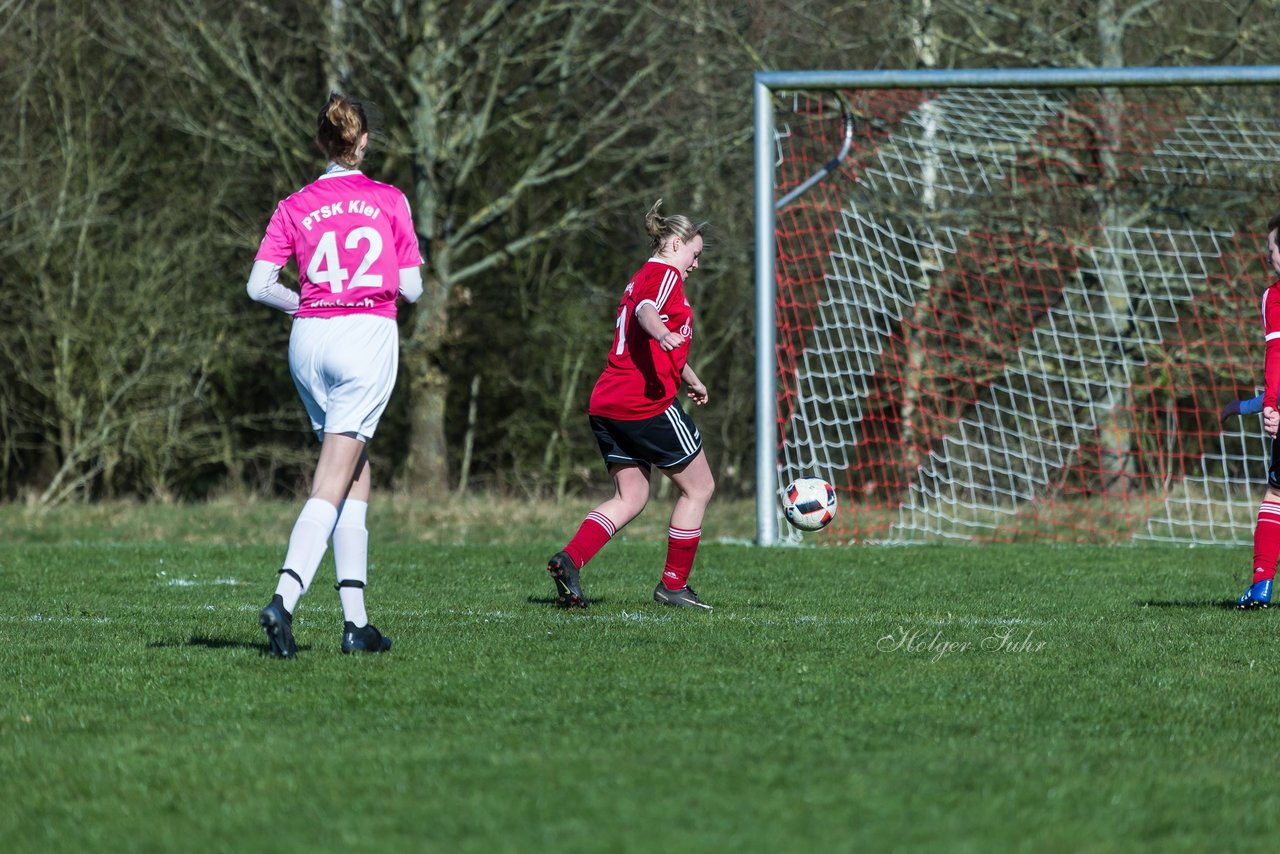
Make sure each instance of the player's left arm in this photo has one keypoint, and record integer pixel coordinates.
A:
(264, 287)
(1250, 406)
(276, 249)
(696, 390)
(1271, 364)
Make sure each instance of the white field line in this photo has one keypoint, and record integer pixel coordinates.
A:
(197, 582)
(625, 616)
(667, 616)
(51, 618)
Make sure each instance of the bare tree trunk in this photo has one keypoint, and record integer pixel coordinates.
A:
(1115, 429)
(426, 470)
(915, 437)
(339, 67)
(468, 119)
(469, 443)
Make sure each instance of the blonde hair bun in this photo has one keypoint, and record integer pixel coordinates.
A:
(662, 228)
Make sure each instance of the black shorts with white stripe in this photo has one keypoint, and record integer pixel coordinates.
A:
(666, 441)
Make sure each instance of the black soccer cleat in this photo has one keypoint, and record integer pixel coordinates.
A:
(278, 624)
(568, 586)
(367, 638)
(682, 598)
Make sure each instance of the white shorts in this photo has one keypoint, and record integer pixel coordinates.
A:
(344, 368)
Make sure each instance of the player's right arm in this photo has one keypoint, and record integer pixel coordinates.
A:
(651, 322)
(408, 254)
(652, 287)
(410, 283)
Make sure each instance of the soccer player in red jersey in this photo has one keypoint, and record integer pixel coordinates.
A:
(638, 422)
(357, 252)
(1266, 534)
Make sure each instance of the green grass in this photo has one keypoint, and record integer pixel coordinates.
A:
(138, 711)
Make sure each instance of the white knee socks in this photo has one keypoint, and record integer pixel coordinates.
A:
(307, 543)
(351, 558)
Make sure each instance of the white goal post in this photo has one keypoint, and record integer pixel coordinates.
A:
(1125, 301)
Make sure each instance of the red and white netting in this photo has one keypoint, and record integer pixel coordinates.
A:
(1016, 314)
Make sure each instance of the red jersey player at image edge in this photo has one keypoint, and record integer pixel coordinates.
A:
(638, 422)
(357, 253)
(1266, 533)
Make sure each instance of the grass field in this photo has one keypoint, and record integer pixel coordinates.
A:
(946, 698)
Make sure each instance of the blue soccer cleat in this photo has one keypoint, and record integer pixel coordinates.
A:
(1257, 596)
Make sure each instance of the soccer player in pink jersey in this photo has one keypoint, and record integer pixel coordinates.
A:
(1266, 534)
(638, 422)
(356, 251)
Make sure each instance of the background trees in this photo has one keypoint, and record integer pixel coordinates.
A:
(148, 143)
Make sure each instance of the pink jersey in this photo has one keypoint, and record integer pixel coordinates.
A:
(641, 379)
(351, 236)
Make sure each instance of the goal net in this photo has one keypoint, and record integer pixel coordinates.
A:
(1013, 314)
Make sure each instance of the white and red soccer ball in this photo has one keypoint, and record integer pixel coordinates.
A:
(809, 503)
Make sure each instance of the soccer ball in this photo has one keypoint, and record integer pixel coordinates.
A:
(809, 503)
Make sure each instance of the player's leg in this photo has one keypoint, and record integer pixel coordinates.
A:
(351, 561)
(625, 455)
(335, 472)
(351, 547)
(630, 494)
(1266, 539)
(309, 538)
(696, 484)
(344, 370)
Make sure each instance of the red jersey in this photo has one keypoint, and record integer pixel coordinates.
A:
(641, 379)
(1271, 328)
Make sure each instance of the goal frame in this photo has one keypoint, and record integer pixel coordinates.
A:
(767, 83)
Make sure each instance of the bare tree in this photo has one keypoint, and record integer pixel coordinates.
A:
(507, 110)
(498, 114)
(93, 273)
